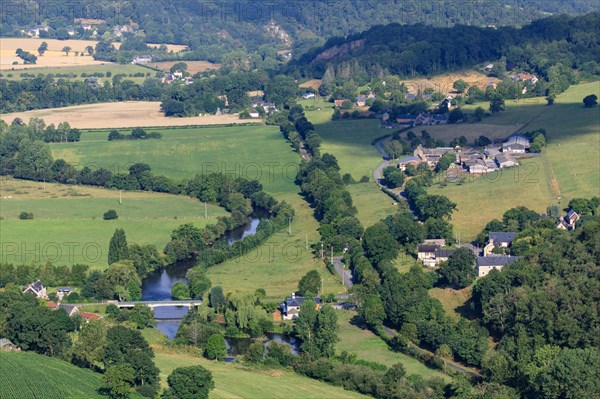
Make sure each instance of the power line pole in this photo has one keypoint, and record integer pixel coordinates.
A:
(120, 198)
(205, 211)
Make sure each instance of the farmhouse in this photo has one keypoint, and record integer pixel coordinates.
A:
(36, 289)
(432, 155)
(71, 310)
(498, 239)
(142, 59)
(486, 264)
(506, 161)
(568, 222)
(291, 307)
(516, 144)
(432, 254)
(404, 162)
(62, 292)
(361, 101)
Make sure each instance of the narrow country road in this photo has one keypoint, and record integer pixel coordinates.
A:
(378, 174)
(345, 275)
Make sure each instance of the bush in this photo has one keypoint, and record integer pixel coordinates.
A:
(111, 214)
(26, 216)
(215, 348)
(364, 179)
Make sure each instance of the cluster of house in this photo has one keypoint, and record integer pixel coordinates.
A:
(359, 101)
(39, 290)
(267, 107)
(472, 160)
(432, 252)
(290, 308)
(177, 76)
(85, 23)
(34, 31)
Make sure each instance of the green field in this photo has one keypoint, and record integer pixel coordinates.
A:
(280, 262)
(91, 70)
(236, 381)
(255, 152)
(68, 225)
(28, 375)
(372, 203)
(569, 166)
(366, 345)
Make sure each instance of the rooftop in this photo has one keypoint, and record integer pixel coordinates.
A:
(496, 260)
(501, 236)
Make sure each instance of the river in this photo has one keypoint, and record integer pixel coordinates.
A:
(157, 286)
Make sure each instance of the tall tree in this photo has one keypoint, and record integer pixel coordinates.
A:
(117, 249)
(193, 382)
(310, 283)
(459, 271)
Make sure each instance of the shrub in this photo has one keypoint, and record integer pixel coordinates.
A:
(26, 216)
(110, 215)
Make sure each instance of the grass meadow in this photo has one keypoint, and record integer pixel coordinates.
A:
(366, 345)
(68, 226)
(77, 71)
(255, 152)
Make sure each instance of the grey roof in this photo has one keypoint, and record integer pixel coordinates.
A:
(409, 159)
(444, 253)
(496, 260)
(517, 139)
(298, 300)
(501, 158)
(428, 247)
(501, 236)
(67, 308)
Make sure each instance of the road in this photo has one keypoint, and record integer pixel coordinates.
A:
(344, 274)
(378, 174)
(449, 364)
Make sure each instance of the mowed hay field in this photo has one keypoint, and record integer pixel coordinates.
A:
(68, 227)
(54, 57)
(443, 83)
(569, 166)
(29, 375)
(366, 345)
(471, 131)
(120, 115)
(193, 67)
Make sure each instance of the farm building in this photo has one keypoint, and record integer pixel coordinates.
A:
(404, 162)
(36, 289)
(506, 161)
(290, 309)
(7, 345)
(516, 144)
(498, 239)
(486, 264)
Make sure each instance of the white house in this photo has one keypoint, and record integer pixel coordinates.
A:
(36, 289)
(486, 264)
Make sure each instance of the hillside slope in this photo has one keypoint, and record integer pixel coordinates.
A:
(29, 375)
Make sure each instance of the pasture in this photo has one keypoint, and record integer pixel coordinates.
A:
(366, 345)
(281, 261)
(115, 115)
(233, 380)
(76, 72)
(255, 152)
(372, 203)
(29, 375)
(68, 226)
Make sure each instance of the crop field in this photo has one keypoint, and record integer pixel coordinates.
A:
(29, 375)
(68, 226)
(75, 72)
(127, 114)
(193, 66)
(443, 83)
(366, 345)
(54, 56)
(568, 166)
(236, 381)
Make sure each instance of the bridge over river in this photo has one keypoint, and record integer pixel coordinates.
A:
(160, 304)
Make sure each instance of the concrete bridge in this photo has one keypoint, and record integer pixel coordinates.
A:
(159, 304)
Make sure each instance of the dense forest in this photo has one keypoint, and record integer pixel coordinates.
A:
(570, 42)
(215, 28)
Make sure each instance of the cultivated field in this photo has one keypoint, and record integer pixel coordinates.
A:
(68, 226)
(54, 57)
(29, 375)
(193, 66)
(119, 115)
(443, 83)
(311, 84)
(366, 345)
